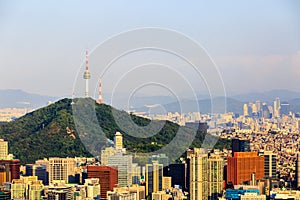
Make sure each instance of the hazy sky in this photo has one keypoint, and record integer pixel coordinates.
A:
(255, 44)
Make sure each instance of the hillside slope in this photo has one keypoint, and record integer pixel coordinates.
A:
(50, 131)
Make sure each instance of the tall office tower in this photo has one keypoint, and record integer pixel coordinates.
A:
(3, 149)
(298, 170)
(215, 176)
(178, 173)
(198, 176)
(258, 105)
(27, 181)
(87, 74)
(108, 177)
(276, 108)
(284, 108)
(154, 175)
(246, 113)
(254, 108)
(265, 111)
(118, 140)
(61, 169)
(242, 165)
(35, 190)
(240, 145)
(92, 188)
(124, 164)
(39, 171)
(269, 164)
(17, 189)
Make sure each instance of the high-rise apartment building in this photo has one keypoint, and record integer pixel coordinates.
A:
(269, 164)
(198, 175)
(242, 165)
(3, 149)
(17, 189)
(154, 176)
(215, 175)
(35, 190)
(61, 169)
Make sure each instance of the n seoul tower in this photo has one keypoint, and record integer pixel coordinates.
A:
(87, 74)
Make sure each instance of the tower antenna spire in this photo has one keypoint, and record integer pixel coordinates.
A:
(87, 74)
(100, 98)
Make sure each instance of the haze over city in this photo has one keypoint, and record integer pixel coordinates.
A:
(256, 45)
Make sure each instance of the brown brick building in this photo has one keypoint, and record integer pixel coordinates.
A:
(108, 177)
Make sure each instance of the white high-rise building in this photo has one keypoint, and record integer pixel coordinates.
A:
(92, 188)
(277, 107)
(61, 168)
(246, 113)
(198, 176)
(3, 149)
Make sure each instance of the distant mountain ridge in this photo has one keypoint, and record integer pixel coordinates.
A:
(20, 99)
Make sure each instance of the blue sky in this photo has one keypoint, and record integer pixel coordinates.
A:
(255, 44)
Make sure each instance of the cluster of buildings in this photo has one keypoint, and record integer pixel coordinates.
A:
(9, 114)
(258, 117)
(246, 171)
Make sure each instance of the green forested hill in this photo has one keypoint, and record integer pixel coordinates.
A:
(50, 131)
